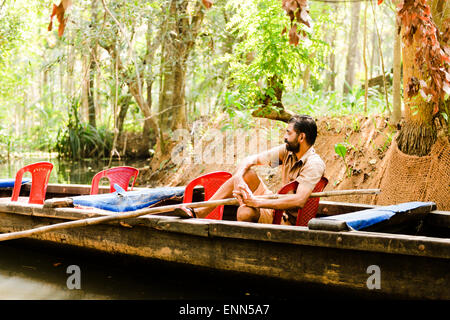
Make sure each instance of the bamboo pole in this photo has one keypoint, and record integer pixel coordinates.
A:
(164, 209)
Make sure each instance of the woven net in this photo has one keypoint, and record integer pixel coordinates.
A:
(412, 178)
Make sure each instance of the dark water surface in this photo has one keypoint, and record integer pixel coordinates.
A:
(39, 270)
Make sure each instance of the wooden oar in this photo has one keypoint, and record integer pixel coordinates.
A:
(163, 209)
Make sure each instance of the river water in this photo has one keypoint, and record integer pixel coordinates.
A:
(78, 172)
(30, 270)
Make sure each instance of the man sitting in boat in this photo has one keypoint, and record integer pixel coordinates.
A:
(298, 161)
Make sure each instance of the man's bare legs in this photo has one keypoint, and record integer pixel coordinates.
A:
(226, 191)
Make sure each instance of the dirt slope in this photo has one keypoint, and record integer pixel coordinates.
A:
(367, 139)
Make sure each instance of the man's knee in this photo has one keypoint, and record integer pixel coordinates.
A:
(251, 179)
(248, 214)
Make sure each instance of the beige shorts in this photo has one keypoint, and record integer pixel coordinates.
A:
(266, 215)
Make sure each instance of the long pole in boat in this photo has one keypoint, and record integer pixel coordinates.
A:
(163, 209)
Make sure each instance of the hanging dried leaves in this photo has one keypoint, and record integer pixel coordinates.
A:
(432, 55)
(445, 31)
(298, 12)
(208, 4)
(59, 12)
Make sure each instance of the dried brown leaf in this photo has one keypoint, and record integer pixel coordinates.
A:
(207, 3)
(293, 36)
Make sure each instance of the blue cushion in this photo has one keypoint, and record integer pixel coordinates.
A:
(121, 201)
(365, 218)
(9, 183)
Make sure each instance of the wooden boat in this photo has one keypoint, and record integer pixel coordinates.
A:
(412, 259)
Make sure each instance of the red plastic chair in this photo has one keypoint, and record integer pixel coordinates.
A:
(310, 208)
(40, 174)
(211, 182)
(119, 175)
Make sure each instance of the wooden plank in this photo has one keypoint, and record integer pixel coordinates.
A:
(357, 240)
(329, 208)
(58, 203)
(389, 243)
(196, 227)
(438, 218)
(64, 214)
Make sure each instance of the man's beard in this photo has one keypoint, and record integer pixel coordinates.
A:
(292, 146)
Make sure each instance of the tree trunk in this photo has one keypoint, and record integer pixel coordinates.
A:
(149, 63)
(91, 101)
(352, 48)
(123, 105)
(396, 82)
(331, 74)
(306, 77)
(374, 58)
(441, 13)
(85, 89)
(277, 113)
(418, 134)
(92, 64)
(330, 38)
(178, 43)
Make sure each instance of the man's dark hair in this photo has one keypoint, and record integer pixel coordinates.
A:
(307, 125)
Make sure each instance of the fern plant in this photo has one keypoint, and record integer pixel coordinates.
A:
(80, 140)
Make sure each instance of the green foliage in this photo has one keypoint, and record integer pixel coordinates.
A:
(240, 57)
(341, 151)
(80, 140)
(332, 103)
(261, 53)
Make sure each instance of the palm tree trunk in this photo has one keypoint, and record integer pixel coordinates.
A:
(396, 82)
(418, 134)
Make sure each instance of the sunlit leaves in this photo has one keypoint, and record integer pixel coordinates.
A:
(264, 65)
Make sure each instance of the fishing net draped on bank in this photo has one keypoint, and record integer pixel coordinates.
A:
(413, 178)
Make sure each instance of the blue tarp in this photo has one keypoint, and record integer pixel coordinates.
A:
(122, 201)
(9, 183)
(365, 218)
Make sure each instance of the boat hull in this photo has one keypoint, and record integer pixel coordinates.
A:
(410, 267)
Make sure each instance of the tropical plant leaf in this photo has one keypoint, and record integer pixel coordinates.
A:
(340, 150)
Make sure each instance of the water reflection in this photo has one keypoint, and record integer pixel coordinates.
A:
(20, 287)
(30, 270)
(65, 171)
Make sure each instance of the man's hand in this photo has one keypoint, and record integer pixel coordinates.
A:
(245, 197)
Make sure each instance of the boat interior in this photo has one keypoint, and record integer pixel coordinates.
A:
(435, 223)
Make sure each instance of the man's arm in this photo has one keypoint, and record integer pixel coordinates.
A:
(297, 200)
(240, 186)
(307, 180)
(270, 157)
